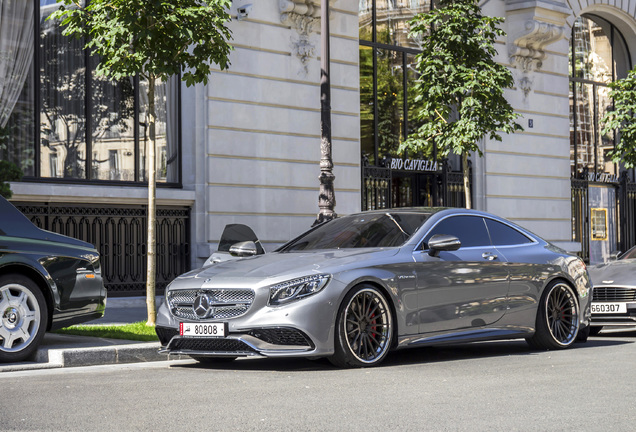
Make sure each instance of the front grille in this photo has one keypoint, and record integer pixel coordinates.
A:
(614, 294)
(211, 345)
(224, 303)
(282, 336)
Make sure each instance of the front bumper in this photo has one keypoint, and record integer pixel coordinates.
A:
(267, 342)
(302, 328)
(614, 295)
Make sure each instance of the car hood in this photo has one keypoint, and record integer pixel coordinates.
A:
(622, 272)
(274, 267)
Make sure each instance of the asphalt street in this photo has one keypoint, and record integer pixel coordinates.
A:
(493, 386)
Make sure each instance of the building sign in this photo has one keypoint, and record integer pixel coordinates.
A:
(602, 177)
(413, 165)
(599, 224)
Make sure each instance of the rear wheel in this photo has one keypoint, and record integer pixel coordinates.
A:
(557, 322)
(23, 317)
(364, 328)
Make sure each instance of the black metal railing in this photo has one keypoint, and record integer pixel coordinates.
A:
(383, 187)
(120, 234)
(627, 212)
(580, 219)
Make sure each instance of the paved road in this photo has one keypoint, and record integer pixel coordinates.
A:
(498, 386)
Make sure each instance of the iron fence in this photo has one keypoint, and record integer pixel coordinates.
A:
(120, 234)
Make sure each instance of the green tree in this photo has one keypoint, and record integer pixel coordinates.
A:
(154, 39)
(622, 119)
(8, 172)
(460, 87)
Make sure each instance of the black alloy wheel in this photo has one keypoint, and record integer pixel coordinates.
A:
(557, 324)
(364, 328)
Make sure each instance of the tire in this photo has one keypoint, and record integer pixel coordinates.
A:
(364, 329)
(557, 323)
(595, 330)
(213, 360)
(23, 317)
(584, 334)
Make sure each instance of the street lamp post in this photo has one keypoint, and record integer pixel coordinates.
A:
(327, 197)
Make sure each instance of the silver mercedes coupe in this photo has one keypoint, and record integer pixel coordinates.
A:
(359, 286)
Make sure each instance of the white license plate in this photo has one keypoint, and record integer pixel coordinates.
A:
(209, 330)
(609, 308)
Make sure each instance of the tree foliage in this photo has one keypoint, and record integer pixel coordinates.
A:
(8, 172)
(152, 38)
(460, 86)
(623, 119)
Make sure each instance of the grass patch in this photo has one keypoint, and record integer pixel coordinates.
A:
(138, 331)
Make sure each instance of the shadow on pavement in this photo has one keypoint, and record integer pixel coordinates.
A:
(413, 356)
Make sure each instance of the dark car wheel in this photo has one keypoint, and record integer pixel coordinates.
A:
(557, 322)
(23, 317)
(364, 328)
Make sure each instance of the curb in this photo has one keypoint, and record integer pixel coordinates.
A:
(46, 358)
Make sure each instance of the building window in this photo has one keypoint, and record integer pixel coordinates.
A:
(598, 56)
(78, 118)
(387, 57)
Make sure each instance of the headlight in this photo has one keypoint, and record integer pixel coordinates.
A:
(297, 288)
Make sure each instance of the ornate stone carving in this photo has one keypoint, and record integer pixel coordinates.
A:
(527, 51)
(304, 17)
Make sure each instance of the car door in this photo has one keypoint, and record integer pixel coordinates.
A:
(463, 288)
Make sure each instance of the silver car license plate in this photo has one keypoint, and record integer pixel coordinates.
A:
(609, 308)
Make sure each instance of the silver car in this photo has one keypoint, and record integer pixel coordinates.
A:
(359, 286)
(614, 299)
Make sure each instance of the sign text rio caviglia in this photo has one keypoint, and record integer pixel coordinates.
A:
(413, 165)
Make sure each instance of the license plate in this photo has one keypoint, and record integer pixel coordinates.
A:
(609, 308)
(209, 330)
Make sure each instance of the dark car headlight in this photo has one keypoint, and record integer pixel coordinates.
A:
(297, 288)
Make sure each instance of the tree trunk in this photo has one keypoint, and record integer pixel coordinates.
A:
(466, 171)
(152, 183)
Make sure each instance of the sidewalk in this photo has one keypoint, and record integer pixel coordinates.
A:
(57, 350)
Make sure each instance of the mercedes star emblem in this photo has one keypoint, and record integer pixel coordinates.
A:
(201, 305)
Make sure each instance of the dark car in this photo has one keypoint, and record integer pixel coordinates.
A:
(47, 281)
(614, 298)
(359, 286)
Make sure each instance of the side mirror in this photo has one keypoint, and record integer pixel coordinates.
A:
(614, 255)
(243, 249)
(442, 242)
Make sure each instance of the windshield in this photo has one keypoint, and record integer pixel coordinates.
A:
(630, 254)
(360, 231)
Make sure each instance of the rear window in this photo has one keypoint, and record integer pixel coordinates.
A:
(13, 222)
(360, 231)
(504, 235)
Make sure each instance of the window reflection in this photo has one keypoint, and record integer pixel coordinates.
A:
(16, 91)
(62, 95)
(390, 102)
(598, 56)
(87, 127)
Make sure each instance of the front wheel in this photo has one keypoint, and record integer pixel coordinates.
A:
(557, 323)
(23, 317)
(364, 328)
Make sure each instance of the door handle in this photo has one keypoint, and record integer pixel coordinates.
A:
(489, 256)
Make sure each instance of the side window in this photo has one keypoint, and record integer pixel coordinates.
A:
(470, 230)
(503, 235)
